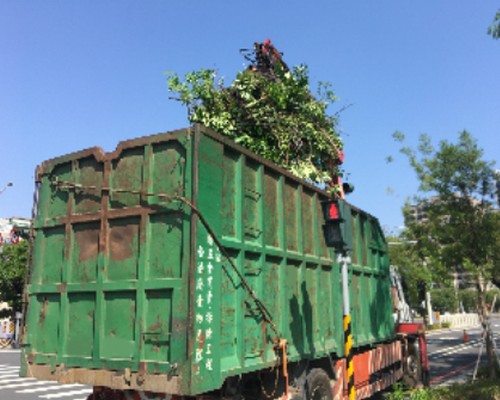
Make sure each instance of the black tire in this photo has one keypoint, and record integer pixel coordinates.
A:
(426, 379)
(97, 396)
(318, 385)
(413, 368)
(110, 395)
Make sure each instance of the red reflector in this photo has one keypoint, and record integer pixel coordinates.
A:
(341, 157)
(333, 211)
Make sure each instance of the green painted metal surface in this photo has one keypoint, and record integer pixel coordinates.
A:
(126, 276)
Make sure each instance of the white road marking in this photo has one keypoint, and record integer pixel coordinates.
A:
(462, 346)
(443, 352)
(25, 384)
(15, 378)
(47, 388)
(9, 373)
(58, 395)
(10, 379)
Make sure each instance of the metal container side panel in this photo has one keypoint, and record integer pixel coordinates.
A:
(271, 225)
(369, 280)
(109, 274)
(205, 285)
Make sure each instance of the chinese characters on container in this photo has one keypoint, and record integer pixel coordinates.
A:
(208, 256)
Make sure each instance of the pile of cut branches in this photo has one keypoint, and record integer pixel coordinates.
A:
(271, 112)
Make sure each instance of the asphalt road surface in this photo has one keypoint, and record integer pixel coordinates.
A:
(451, 360)
(453, 356)
(12, 387)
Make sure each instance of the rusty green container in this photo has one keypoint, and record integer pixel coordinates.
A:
(129, 288)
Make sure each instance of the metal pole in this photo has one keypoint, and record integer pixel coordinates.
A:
(345, 260)
(428, 305)
(16, 334)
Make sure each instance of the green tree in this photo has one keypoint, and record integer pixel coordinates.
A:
(461, 227)
(406, 253)
(445, 300)
(468, 298)
(496, 252)
(271, 113)
(494, 28)
(12, 266)
(493, 296)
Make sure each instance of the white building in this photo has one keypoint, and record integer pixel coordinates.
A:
(13, 229)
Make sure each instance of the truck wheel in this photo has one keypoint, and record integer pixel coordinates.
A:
(318, 385)
(413, 370)
(108, 395)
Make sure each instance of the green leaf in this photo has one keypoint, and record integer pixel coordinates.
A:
(275, 116)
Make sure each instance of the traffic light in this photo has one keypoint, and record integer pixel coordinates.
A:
(333, 220)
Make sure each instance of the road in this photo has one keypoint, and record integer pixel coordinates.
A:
(14, 388)
(451, 358)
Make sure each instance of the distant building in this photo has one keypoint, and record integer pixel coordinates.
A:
(417, 213)
(12, 230)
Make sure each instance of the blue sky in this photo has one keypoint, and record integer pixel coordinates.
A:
(76, 74)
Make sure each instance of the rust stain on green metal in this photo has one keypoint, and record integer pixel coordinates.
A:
(123, 280)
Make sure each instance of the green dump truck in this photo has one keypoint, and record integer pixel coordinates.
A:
(183, 265)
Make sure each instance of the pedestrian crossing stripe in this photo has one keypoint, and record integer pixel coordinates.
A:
(13, 378)
(10, 379)
(47, 388)
(64, 394)
(23, 384)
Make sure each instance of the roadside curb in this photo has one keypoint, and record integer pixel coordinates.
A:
(441, 330)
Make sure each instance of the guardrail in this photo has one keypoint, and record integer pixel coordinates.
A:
(460, 320)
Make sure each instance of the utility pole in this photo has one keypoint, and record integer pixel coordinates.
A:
(428, 306)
